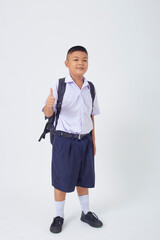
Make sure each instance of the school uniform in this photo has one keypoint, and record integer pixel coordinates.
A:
(73, 153)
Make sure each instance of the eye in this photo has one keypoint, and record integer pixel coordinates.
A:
(85, 60)
(75, 59)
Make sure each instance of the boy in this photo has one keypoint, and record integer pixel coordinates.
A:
(73, 146)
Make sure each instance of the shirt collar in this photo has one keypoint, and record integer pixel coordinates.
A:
(68, 79)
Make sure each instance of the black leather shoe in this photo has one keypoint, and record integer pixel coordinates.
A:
(92, 219)
(56, 226)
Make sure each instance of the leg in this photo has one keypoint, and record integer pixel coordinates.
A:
(57, 223)
(82, 191)
(87, 216)
(59, 195)
(83, 198)
(59, 202)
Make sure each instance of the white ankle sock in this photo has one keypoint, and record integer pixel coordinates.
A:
(84, 201)
(59, 208)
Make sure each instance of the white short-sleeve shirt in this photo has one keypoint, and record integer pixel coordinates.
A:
(75, 115)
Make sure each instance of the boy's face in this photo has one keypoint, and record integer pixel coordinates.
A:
(77, 63)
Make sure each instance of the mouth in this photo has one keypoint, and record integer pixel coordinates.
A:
(80, 68)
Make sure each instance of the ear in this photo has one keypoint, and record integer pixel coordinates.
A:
(66, 63)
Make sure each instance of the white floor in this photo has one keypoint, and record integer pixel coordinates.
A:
(30, 218)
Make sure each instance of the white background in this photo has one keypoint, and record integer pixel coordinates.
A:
(122, 39)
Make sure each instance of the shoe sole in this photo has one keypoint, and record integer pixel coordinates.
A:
(55, 232)
(85, 221)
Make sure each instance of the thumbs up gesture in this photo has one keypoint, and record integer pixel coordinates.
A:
(50, 99)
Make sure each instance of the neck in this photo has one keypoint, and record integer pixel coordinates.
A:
(77, 78)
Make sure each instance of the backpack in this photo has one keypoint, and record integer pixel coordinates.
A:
(50, 125)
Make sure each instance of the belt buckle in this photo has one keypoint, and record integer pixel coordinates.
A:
(79, 136)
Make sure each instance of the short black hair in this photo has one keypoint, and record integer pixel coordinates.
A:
(77, 48)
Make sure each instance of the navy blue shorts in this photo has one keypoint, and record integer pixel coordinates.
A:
(72, 163)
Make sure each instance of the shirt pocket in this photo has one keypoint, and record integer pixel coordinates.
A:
(69, 98)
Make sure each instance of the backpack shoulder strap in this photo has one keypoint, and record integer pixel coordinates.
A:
(61, 91)
(92, 91)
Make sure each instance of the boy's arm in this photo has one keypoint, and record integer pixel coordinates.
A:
(93, 135)
(48, 108)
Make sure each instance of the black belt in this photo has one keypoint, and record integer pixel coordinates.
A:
(69, 135)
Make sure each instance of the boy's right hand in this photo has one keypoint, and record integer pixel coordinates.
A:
(50, 99)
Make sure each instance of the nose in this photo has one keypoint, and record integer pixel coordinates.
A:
(80, 62)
